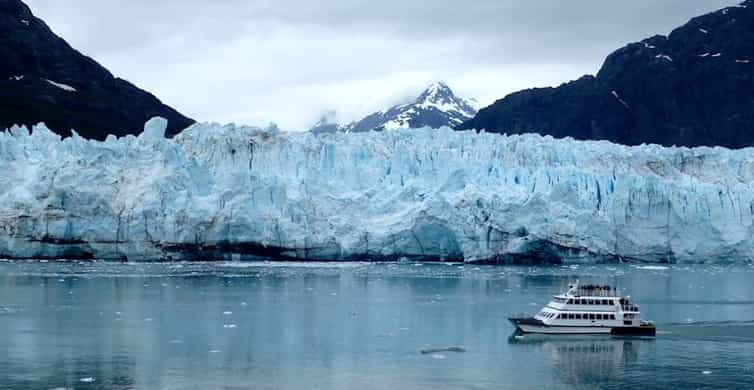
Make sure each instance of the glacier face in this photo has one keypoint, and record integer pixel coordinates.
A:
(234, 193)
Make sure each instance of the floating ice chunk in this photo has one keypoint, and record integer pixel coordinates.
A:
(438, 356)
(64, 87)
(743, 61)
(705, 372)
(665, 57)
(16, 78)
(229, 326)
(227, 313)
(704, 55)
(87, 380)
(26, 22)
(704, 31)
(652, 267)
(717, 55)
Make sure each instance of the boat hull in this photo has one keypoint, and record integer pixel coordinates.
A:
(532, 325)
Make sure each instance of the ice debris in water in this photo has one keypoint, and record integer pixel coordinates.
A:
(419, 194)
(87, 380)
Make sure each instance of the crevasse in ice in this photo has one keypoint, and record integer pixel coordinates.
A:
(232, 192)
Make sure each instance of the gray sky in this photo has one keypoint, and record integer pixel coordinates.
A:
(289, 61)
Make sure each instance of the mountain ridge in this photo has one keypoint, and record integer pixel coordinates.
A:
(435, 107)
(44, 79)
(694, 87)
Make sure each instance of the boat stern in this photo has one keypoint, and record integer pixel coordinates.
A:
(645, 328)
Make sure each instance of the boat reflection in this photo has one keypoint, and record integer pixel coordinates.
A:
(583, 359)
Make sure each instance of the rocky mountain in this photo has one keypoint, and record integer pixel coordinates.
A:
(693, 87)
(437, 106)
(43, 79)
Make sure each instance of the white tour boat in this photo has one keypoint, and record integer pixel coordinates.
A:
(588, 309)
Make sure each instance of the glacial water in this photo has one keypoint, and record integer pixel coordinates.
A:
(360, 326)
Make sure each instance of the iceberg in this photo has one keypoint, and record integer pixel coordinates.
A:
(235, 193)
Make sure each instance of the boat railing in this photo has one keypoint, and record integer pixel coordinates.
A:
(593, 290)
(595, 293)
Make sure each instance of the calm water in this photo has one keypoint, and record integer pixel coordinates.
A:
(359, 326)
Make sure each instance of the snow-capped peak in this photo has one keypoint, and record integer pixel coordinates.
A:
(436, 106)
(436, 92)
(439, 96)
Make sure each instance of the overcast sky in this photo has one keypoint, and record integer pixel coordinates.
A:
(289, 61)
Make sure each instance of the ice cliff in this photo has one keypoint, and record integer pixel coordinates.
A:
(227, 192)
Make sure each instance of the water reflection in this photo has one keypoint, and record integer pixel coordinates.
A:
(251, 326)
(584, 359)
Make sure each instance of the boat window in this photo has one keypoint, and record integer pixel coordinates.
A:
(570, 301)
(571, 316)
(591, 317)
(612, 317)
(605, 302)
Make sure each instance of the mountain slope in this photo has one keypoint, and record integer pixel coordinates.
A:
(694, 87)
(437, 106)
(43, 79)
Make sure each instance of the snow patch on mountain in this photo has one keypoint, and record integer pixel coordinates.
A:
(64, 87)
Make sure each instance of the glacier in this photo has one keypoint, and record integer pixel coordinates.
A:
(227, 192)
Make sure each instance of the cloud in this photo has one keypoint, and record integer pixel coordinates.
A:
(291, 61)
